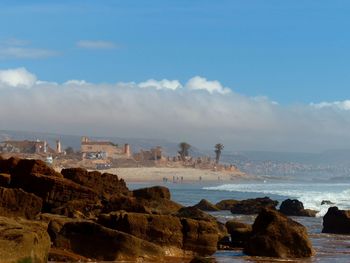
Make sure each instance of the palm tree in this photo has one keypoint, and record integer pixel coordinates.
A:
(218, 148)
(184, 149)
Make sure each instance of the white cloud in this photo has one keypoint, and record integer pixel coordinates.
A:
(181, 113)
(19, 77)
(340, 105)
(162, 84)
(76, 82)
(96, 44)
(200, 83)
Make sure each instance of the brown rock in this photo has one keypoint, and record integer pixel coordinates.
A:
(80, 208)
(23, 241)
(203, 260)
(200, 236)
(54, 191)
(336, 221)
(154, 193)
(275, 235)
(16, 202)
(164, 230)
(5, 180)
(194, 213)
(139, 205)
(205, 205)
(104, 184)
(27, 167)
(226, 204)
(240, 232)
(93, 241)
(6, 165)
(253, 206)
(295, 208)
(177, 236)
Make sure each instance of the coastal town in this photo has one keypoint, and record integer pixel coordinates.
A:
(108, 156)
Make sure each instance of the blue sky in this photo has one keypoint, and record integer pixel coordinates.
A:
(290, 51)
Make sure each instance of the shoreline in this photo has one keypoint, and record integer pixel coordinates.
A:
(174, 175)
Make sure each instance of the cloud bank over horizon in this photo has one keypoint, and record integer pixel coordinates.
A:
(200, 111)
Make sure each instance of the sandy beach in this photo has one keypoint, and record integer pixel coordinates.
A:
(157, 174)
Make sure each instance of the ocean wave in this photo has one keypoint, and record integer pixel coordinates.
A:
(310, 194)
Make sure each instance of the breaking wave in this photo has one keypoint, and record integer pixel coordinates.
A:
(310, 194)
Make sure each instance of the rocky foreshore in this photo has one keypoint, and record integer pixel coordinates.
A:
(77, 215)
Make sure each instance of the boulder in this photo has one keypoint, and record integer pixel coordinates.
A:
(200, 236)
(253, 206)
(5, 180)
(28, 166)
(104, 184)
(163, 230)
(294, 207)
(6, 165)
(275, 235)
(226, 204)
(177, 236)
(23, 241)
(132, 204)
(94, 241)
(205, 205)
(194, 213)
(79, 208)
(54, 191)
(154, 193)
(16, 202)
(240, 232)
(336, 221)
(198, 259)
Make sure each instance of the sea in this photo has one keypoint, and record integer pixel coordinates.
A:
(329, 247)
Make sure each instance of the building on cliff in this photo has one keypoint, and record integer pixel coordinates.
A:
(96, 150)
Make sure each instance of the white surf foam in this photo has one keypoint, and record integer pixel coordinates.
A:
(310, 194)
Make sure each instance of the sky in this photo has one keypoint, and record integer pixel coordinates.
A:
(254, 75)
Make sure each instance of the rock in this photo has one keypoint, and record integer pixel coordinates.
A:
(203, 260)
(28, 166)
(94, 241)
(104, 184)
(226, 204)
(205, 205)
(326, 202)
(154, 193)
(61, 255)
(6, 165)
(16, 202)
(85, 209)
(132, 204)
(240, 232)
(194, 213)
(295, 208)
(275, 235)
(175, 235)
(253, 206)
(200, 236)
(23, 241)
(5, 180)
(336, 221)
(163, 230)
(54, 191)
